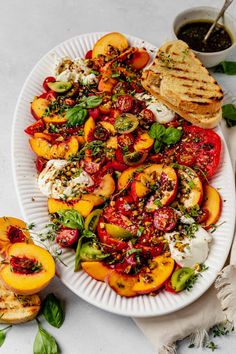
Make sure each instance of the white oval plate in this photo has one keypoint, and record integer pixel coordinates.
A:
(34, 204)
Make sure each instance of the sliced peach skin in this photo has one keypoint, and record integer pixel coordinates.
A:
(144, 142)
(155, 279)
(38, 107)
(27, 284)
(212, 202)
(122, 284)
(57, 150)
(84, 207)
(114, 39)
(190, 187)
(6, 238)
(96, 270)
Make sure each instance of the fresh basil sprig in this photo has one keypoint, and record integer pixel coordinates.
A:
(53, 311)
(164, 136)
(44, 343)
(71, 218)
(77, 115)
(226, 67)
(229, 114)
(3, 334)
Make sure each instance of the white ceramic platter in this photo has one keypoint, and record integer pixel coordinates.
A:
(34, 204)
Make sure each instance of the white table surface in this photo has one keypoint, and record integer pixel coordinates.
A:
(28, 29)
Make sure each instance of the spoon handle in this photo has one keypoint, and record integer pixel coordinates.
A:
(221, 13)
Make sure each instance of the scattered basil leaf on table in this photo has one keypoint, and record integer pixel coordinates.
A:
(3, 334)
(71, 218)
(44, 343)
(226, 67)
(52, 311)
(164, 136)
(76, 116)
(229, 114)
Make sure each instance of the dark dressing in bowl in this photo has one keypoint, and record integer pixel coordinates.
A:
(194, 32)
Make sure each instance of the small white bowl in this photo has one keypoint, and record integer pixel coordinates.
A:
(207, 13)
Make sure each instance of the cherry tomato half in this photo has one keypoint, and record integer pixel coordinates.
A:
(124, 103)
(165, 219)
(88, 55)
(45, 83)
(36, 127)
(67, 237)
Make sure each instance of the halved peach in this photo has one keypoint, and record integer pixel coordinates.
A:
(211, 202)
(122, 284)
(96, 270)
(169, 183)
(57, 150)
(126, 177)
(153, 280)
(106, 188)
(29, 270)
(89, 128)
(12, 230)
(114, 39)
(143, 142)
(84, 207)
(38, 107)
(190, 187)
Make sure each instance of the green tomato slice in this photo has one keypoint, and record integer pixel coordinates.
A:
(126, 123)
(59, 86)
(91, 220)
(118, 232)
(180, 278)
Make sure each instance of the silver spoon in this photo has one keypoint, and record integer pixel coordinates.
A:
(221, 13)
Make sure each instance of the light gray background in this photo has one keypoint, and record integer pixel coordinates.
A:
(28, 29)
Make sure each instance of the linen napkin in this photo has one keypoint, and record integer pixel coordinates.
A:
(217, 305)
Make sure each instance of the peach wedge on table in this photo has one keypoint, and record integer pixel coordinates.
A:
(29, 269)
(57, 150)
(162, 268)
(212, 203)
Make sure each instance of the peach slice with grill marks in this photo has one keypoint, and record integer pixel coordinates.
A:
(28, 269)
(12, 230)
(55, 150)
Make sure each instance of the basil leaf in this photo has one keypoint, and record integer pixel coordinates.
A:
(157, 145)
(44, 343)
(71, 218)
(76, 116)
(229, 114)
(226, 67)
(157, 131)
(3, 334)
(93, 101)
(171, 136)
(52, 311)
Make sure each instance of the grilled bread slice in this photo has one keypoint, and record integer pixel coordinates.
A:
(17, 308)
(178, 79)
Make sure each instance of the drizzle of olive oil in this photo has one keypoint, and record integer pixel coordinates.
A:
(194, 32)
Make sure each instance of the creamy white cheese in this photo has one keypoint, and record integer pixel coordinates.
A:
(161, 112)
(52, 186)
(76, 70)
(189, 250)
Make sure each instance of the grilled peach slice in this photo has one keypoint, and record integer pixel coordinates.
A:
(56, 150)
(96, 270)
(190, 187)
(122, 284)
(38, 107)
(83, 206)
(144, 142)
(114, 39)
(155, 279)
(29, 270)
(12, 230)
(89, 128)
(211, 202)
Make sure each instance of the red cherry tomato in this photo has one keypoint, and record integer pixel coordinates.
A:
(40, 163)
(36, 127)
(148, 116)
(94, 112)
(165, 219)
(67, 237)
(45, 83)
(50, 95)
(88, 55)
(124, 103)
